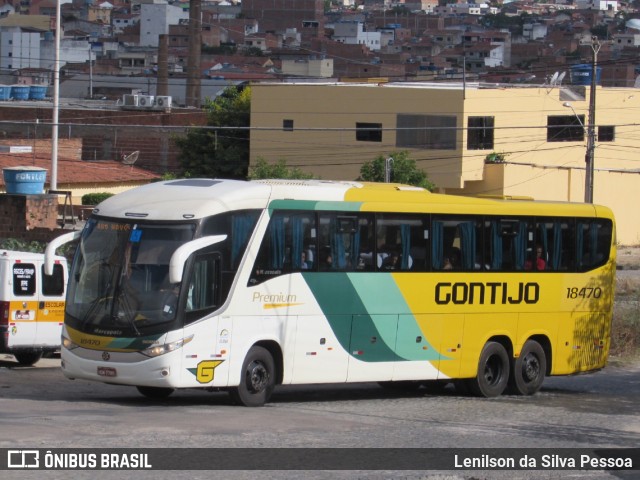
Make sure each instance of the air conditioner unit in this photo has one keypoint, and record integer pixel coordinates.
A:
(130, 100)
(145, 101)
(162, 102)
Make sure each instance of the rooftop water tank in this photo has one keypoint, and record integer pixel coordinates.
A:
(581, 74)
(24, 180)
(20, 92)
(37, 92)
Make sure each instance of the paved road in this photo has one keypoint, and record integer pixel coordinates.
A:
(42, 409)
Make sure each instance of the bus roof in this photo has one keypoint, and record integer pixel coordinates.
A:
(198, 198)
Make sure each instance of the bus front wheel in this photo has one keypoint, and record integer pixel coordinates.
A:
(258, 378)
(529, 369)
(493, 371)
(155, 392)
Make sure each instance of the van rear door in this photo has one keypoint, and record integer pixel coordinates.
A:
(23, 304)
(50, 312)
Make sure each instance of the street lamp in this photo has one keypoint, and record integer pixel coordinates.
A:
(387, 169)
(589, 154)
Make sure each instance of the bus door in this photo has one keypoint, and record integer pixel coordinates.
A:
(319, 356)
(50, 305)
(371, 349)
(438, 341)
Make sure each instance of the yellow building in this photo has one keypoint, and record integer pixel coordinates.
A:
(538, 133)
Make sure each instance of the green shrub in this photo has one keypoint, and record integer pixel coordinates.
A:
(95, 198)
(18, 245)
(625, 329)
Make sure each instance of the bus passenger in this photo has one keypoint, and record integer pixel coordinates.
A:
(540, 262)
(391, 261)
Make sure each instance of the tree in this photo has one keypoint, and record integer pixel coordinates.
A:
(262, 169)
(222, 149)
(403, 170)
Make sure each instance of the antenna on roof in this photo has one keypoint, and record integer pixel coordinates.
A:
(131, 158)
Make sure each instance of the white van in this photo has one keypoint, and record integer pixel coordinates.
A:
(31, 305)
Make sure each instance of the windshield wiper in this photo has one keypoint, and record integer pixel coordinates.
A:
(121, 299)
(94, 304)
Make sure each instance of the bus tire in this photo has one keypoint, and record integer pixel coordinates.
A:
(156, 393)
(493, 371)
(27, 359)
(258, 378)
(528, 370)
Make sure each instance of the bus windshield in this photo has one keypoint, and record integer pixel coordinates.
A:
(119, 284)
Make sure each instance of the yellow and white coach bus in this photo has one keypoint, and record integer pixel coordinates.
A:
(242, 286)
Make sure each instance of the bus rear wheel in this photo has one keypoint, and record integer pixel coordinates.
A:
(529, 369)
(493, 371)
(258, 378)
(155, 392)
(26, 359)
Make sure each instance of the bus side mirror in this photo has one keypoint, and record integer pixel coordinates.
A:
(53, 245)
(182, 253)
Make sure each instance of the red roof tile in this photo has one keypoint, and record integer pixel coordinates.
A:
(78, 172)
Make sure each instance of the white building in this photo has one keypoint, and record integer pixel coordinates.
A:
(496, 56)
(19, 48)
(602, 5)
(353, 33)
(155, 18)
(626, 40)
(71, 51)
(534, 31)
(308, 68)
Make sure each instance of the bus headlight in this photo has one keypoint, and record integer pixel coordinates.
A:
(158, 350)
(68, 344)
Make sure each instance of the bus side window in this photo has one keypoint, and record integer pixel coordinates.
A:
(342, 236)
(593, 240)
(454, 244)
(288, 245)
(203, 288)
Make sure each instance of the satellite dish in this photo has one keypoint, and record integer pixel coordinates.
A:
(554, 78)
(637, 82)
(131, 158)
(560, 78)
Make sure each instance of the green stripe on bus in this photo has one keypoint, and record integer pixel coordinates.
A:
(363, 311)
(314, 205)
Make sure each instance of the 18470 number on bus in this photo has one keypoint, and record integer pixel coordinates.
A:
(586, 292)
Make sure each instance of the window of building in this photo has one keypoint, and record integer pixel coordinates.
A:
(287, 125)
(431, 132)
(368, 132)
(606, 133)
(565, 128)
(480, 133)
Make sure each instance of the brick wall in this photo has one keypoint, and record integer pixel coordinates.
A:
(29, 217)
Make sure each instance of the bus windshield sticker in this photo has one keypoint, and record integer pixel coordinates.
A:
(135, 236)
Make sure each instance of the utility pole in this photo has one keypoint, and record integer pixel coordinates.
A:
(193, 60)
(591, 127)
